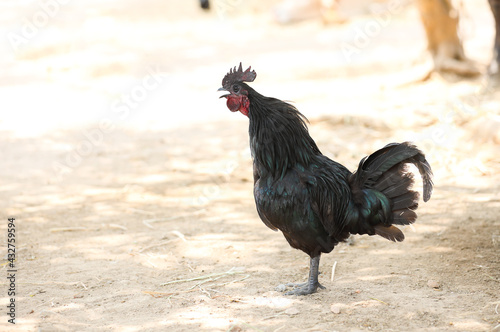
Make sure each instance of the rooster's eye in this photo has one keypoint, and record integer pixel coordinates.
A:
(236, 88)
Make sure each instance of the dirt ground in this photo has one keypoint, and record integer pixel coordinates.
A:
(143, 219)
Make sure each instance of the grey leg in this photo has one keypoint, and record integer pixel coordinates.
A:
(312, 283)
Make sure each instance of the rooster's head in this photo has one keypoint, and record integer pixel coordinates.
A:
(237, 98)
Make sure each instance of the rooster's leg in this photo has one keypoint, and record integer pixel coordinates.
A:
(312, 283)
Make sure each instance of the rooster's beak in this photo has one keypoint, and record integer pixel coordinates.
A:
(222, 89)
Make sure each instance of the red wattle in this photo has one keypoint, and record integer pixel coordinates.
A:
(233, 104)
(238, 103)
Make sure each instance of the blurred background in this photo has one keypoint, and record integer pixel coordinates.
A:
(66, 63)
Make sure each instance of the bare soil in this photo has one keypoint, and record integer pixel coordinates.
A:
(152, 225)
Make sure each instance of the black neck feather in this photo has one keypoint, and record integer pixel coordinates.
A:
(279, 138)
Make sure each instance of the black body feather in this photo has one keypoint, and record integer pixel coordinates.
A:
(316, 202)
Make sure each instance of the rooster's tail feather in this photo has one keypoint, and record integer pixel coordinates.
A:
(386, 172)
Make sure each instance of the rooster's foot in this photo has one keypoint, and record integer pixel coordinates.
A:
(304, 288)
(312, 284)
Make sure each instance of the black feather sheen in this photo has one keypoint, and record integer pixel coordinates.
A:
(315, 201)
(279, 138)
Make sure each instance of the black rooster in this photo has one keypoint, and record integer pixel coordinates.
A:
(316, 202)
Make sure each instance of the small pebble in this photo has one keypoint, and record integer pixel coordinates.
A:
(292, 311)
(280, 288)
(433, 284)
(335, 309)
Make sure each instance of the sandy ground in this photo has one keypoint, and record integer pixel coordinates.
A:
(131, 183)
